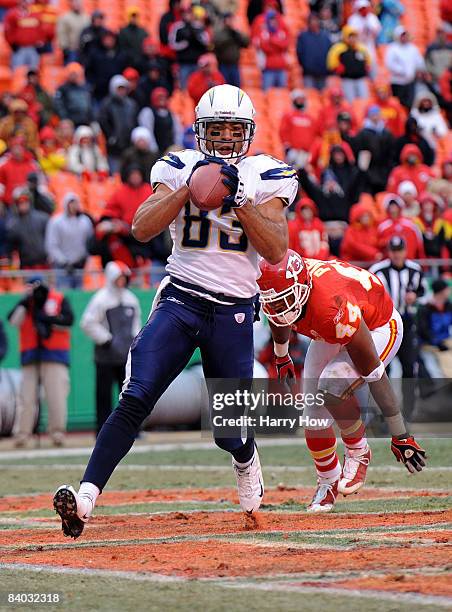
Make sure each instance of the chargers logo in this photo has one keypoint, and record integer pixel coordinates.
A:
(173, 161)
(278, 173)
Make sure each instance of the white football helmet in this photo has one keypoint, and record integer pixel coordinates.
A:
(224, 103)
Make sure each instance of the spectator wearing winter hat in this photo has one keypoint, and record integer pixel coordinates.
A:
(15, 170)
(271, 40)
(396, 224)
(70, 25)
(404, 62)
(117, 118)
(228, 42)
(40, 198)
(73, 99)
(26, 231)
(139, 153)
(360, 242)
(17, 123)
(66, 240)
(351, 61)
(51, 157)
(408, 192)
(298, 129)
(131, 37)
(375, 138)
(189, 38)
(163, 125)
(91, 36)
(431, 224)
(429, 118)
(412, 135)
(307, 235)
(103, 63)
(133, 76)
(37, 98)
(411, 169)
(84, 157)
(392, 112)
(206, 77)
(335, 105)
(368, 27)
(312, 48)
(151, 58)
(434, 321)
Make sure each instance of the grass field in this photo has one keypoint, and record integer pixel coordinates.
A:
(168, 534)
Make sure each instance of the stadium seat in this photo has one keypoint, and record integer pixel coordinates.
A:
(98, 194)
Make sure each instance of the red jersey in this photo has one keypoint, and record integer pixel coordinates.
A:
(341, 296)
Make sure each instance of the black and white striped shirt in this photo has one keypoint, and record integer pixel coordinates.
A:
(398, 281)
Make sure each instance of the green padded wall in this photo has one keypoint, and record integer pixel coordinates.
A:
(81, 408)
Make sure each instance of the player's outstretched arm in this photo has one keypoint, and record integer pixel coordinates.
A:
(266, 228)
(157, 212)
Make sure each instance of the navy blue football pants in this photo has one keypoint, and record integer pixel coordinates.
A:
(179, 324)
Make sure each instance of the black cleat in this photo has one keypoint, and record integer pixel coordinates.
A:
(65, 504)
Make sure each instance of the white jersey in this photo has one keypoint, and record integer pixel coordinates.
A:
(210, 248)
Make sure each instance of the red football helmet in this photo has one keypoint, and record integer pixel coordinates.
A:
(284, 288)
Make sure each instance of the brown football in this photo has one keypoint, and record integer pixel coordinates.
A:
(206, 187)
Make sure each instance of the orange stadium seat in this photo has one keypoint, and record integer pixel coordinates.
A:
(62, 183)
(98, 194)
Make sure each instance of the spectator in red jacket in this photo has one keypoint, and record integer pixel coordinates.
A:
(205, 77)
(23, 33)
(272, 39)
(298, 129)
(392, 112)
(113, 238)
(411, 169)
(360, 242)
(396, 224)
(307, 234)
(432, 225)
(16, 168)
(47, 15)
(336, 105)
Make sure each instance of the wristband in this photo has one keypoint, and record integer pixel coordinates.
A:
(376, 374)
(396, 425)
(281, 350)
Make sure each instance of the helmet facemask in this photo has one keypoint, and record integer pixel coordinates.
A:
(283, 308)
(241, 147)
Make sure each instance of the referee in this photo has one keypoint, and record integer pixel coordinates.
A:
(405, 283)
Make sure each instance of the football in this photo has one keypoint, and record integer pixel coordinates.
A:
(206, 187)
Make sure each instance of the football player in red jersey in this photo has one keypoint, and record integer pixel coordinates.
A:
(356, 332)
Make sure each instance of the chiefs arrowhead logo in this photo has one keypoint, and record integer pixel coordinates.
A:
(294, 266)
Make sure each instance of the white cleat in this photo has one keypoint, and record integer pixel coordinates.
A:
(74, 510)
(250, 484)
(354, 471)
(324, 497)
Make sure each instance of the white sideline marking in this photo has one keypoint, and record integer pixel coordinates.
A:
(206, 468)
(411, 598)
(429, 600)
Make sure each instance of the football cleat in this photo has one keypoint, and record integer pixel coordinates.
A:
(356, 462)
(324, 497)
(250, 484)
(73, 510)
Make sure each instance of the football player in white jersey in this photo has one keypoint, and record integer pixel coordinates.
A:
(208, 299)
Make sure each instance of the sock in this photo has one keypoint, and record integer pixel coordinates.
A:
(322, 445)
(88, 494)
(353, 430)
(244, 455)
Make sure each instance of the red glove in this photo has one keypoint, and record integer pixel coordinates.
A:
(285, 369)
(408, 451)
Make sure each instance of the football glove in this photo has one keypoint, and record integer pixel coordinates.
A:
(236, 186)
(408, 451)
(285, 369)
(201, 163)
